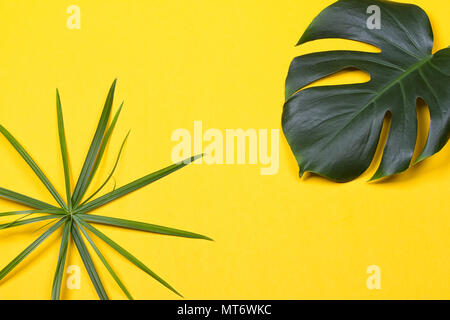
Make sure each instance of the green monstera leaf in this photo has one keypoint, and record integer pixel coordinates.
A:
(334, 130)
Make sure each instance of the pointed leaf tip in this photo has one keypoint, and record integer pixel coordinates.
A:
(96, 149)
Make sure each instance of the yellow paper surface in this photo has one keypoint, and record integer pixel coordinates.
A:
(224, 63)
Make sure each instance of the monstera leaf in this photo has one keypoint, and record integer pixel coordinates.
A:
(334, 130)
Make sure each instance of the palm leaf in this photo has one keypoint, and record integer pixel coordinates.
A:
(7, 225)
(33, 166)
(74, 211)
(88, 263)
(111, 173)
(104, 144)
(62, 141)
(45, 225)
(107, 265)
(49, 211)
(56, 289)
(83, 179)
(142, 226)
(126, 254)
(29, 249)
(23, 199)
(31, 220)
(137, 184)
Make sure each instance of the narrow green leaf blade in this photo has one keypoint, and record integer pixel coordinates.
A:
(142, 226)
(112, 171)
(4, 226)
(104, 144)
(88, 263)
(56, 289)
(48, 211)
(28, 221)
(127, 255)
(107, 265)
(23, 199)
(63, 145)
(29, 249)
(33, 166)
(45, 225)
(83, 179)
(137, 184)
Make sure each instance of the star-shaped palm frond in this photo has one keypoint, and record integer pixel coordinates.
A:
(73, 214)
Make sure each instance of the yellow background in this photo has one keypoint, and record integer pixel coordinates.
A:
(222, 62)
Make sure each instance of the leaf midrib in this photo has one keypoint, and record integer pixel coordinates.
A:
(391, 84)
